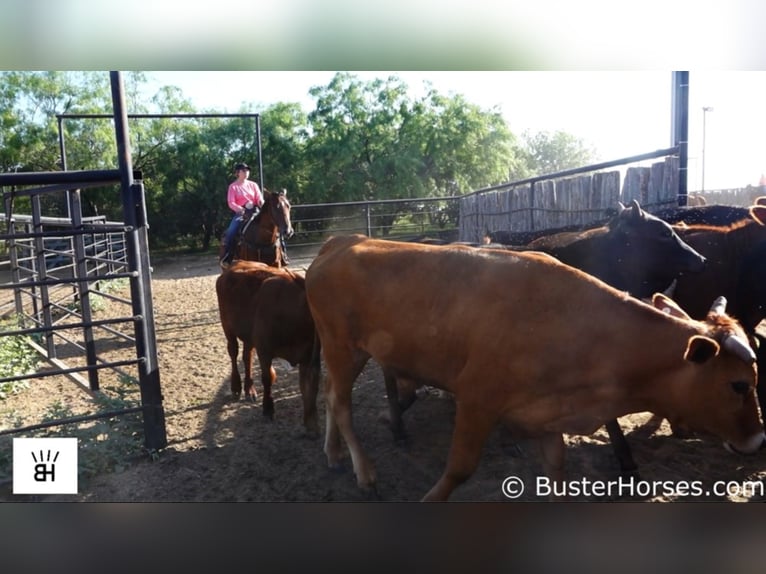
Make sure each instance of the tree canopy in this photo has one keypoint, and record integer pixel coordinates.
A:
(363, 140)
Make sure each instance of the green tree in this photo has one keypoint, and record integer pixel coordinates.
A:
(547, 152)
(284, 136)
(354, 138)
(30, 102)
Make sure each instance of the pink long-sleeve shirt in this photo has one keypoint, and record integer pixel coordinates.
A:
(240, 193)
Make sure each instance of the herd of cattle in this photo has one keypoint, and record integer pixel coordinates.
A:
(560, 333)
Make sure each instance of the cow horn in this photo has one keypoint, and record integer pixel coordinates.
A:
(719, 306)
(739, 347)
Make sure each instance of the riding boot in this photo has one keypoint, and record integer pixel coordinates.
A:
(225, 261)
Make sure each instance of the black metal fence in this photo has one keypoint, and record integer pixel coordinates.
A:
(57, 267)
(402, 219)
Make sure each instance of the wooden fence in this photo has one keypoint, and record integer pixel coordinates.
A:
(576, 200)
(741, 196)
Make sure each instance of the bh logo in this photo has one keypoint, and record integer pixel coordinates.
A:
(45, 466)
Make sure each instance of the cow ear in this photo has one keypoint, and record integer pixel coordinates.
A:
(701, 349)
(667, 305)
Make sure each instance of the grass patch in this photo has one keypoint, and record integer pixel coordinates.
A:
(17, 358)
(104, 445)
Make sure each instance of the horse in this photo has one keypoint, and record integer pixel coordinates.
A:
(262, 234)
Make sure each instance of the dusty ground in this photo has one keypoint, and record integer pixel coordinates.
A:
(221, 450)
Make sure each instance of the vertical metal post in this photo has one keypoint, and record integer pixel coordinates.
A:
(368, 219)
(83, 289)
(260, 154)
(705, 110)
(44, 317)
(680, 130)
(140, 284)
(62, 148)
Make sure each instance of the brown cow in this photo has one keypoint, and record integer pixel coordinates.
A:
(266, 308)
(735, 254)
(522, 339)
(726, 248)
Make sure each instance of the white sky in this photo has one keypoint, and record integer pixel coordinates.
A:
(619, 113)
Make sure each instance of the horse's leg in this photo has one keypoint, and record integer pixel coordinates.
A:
(268, 378)
(247, 358)
(232, 346)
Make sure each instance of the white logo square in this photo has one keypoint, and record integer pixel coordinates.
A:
(44, 466)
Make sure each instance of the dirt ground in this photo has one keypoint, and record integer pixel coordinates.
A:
(222, 450)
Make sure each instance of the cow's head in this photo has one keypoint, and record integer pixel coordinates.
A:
(650, 253)
(719, 378)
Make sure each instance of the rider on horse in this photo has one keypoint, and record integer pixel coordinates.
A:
(243, 196)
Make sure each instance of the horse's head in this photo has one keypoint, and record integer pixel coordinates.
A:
(279, 208)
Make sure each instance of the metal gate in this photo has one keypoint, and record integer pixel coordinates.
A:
(71, 259)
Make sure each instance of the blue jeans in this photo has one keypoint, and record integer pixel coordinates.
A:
(228, 238)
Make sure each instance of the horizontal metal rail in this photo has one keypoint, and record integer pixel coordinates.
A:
(58, 234)
(87, 368)
(579, 170)
(97, 323)
(62, 177)
(72, 420)
(69, 280)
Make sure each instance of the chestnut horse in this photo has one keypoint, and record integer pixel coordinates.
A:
(262, 234)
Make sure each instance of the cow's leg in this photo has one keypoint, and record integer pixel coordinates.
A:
(308, 377)
(760, 355)
(472, 427)
(394, 407)
(343, 369)
(232, 346)
(552, 449)
(247, 358)
(268, 378)
(621, 448)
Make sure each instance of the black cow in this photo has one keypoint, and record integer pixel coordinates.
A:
(703, 214)
(635, 252)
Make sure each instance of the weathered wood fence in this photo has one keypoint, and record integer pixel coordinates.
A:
(556, 202)
(741, 196)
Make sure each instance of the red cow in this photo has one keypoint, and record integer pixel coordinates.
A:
(265, 308)
(519, 339)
